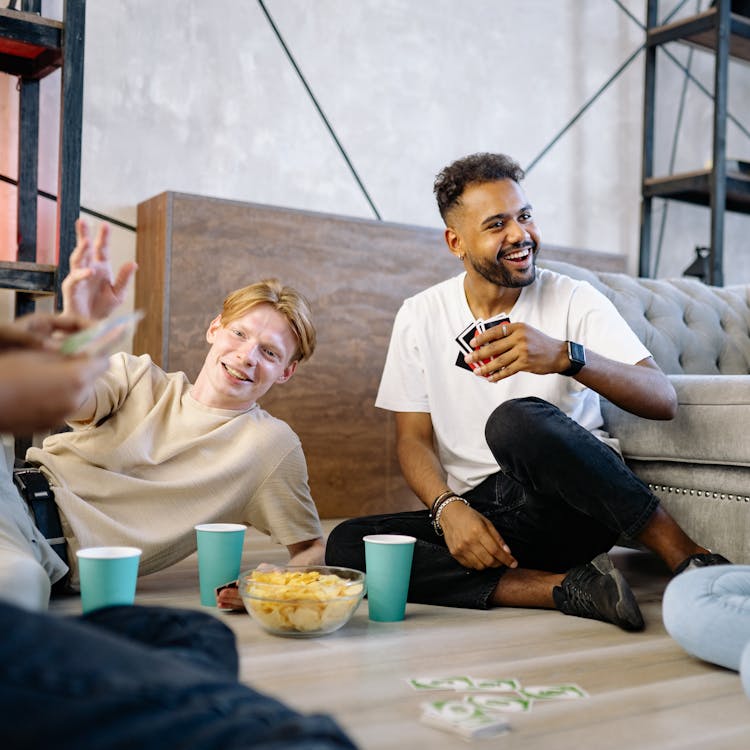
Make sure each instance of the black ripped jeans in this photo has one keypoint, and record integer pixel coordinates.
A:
(139, 677)
(561, 497)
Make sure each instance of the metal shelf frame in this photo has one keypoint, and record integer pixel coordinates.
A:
(726, 36)
(32, 47)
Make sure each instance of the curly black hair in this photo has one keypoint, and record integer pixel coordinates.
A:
(453, 179)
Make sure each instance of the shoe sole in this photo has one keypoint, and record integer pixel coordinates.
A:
(700, 561)
(627, 607)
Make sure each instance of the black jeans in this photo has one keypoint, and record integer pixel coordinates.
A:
(138, 677)
(561, 497)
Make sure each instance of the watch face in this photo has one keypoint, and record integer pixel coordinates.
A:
(576, 353)
(577, 357)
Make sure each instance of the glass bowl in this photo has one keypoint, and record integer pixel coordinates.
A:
(302, 600)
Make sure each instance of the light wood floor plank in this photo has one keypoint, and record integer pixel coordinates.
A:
(645, 692)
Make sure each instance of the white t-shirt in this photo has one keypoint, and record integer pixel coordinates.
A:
(421, 374)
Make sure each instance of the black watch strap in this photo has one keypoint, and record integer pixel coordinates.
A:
(577, 357)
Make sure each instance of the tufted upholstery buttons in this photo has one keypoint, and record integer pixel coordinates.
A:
(689, 327)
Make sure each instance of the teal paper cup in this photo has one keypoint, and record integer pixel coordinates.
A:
(219, 556)
(107, 576)
(388, 561)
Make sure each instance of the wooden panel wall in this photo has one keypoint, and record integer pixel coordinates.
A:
(193, 250)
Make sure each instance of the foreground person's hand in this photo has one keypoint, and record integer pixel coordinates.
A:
(39, 330)
(40, 388)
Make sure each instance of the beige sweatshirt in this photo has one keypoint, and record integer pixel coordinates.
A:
(153, 462)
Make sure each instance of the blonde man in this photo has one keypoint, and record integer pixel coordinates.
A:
(150, 454)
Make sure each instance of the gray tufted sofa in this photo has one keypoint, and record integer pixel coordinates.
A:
(699, 463)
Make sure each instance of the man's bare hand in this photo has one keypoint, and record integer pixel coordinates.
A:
(229, 597)
(517, 347)
(38, 331)
(473, 540)
(90, 289)
(40, 388)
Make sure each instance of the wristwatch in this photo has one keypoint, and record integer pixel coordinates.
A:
(577, 357)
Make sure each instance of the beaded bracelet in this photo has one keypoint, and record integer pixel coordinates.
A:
(435, 508)
(448, 500)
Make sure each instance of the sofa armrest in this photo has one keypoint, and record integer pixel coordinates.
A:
(711, 425)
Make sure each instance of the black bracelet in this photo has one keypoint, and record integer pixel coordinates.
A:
(443, 505)
(442, 497)
(439, 501)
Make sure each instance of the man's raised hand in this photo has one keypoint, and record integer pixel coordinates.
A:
(90, 289)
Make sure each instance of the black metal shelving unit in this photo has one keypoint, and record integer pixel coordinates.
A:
(726, 36)
(32, 47)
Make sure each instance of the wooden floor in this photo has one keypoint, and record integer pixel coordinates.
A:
(644, 691)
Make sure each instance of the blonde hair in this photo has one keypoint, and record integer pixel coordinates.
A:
(286, 300)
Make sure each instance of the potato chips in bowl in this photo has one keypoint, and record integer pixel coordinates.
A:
(302, 600)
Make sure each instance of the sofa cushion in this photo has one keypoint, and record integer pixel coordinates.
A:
(689, 327)
(710, 426)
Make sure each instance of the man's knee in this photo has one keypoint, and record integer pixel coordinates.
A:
(516, 421)
(345, 547)
(24, 582)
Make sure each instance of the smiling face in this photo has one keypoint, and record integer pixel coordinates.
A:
(247, 356)
(492, 230)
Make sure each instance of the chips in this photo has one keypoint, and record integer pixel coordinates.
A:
(301, 601)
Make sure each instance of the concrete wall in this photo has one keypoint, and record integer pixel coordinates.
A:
(201, 97)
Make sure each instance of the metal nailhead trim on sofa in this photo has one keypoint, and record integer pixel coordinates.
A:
(698, 493)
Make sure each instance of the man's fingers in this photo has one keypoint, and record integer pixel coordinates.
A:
(82, 230)
(101, 248)
(45, 325)
(78, 274)
(479, 558)
(499, 541)
(496, 548)
(230, 598)
(494, 556)
(75, 277)
(488, 559)
(69, 322)
(78, 256)
(124, 275)
(12, 337)
(482, 550)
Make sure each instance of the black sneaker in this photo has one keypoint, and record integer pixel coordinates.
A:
(599, 591)
(701, 560)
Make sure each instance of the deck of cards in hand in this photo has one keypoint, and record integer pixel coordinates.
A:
(474, 329)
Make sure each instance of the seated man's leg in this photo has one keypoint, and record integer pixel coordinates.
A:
(28, 565)
(553, 456)
(573, 497)
(546, 510)
(436, 576)
(68, 683)
(707, 611)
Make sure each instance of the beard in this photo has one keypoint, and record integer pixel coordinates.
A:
(496, 273)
